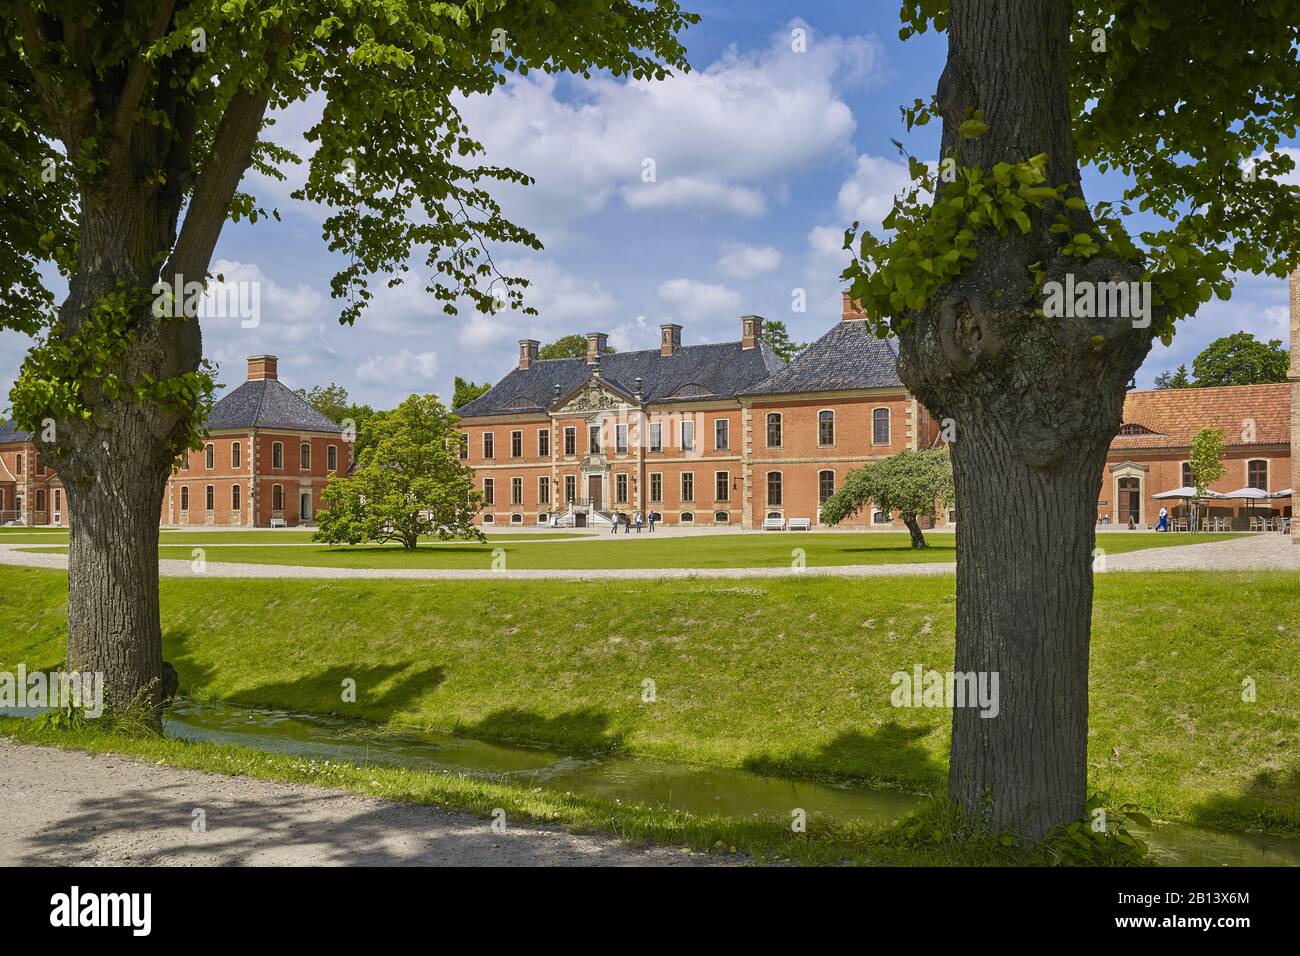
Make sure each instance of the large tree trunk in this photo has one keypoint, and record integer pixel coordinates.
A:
(115, 465)
(1035, 403)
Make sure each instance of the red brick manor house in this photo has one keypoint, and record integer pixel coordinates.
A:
(265, 460)
(729, 434)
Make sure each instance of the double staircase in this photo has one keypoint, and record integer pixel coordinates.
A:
(582, 513)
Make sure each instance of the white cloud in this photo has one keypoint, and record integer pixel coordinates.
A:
(412, 369)
(868, 194)
(723, 136)
(739, 261)
(700, 301)
(700, 195)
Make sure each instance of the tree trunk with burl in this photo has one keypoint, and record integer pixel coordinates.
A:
(1035, 402)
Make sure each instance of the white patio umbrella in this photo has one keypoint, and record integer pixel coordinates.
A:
(1187, 492)
(1248, 495)
(1284, 493)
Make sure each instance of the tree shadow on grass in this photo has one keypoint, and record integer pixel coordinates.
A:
(890, 756)
(582, 731)
(383, 691)
(1270, 801)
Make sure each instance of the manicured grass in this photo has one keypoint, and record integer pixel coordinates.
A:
(189, 537)
(790, 676)
(643, 551)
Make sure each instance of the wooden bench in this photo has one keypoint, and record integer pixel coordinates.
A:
(799, 524)
(279, 523)
(773, 524)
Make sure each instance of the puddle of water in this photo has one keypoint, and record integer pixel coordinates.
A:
(629, 779)
(736, 793)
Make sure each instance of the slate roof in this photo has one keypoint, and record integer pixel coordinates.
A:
(1171, 417)
(267, 403)
(10, 433)
(849, 356)
(715, 370)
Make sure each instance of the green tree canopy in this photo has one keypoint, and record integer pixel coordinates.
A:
(1239, 359)
(1206, 458)
(126, 131)
(1176, 379)
(409, 482)
(330, 400)
(568, 346)
(777, 336)
(466, 391)
(912, 483)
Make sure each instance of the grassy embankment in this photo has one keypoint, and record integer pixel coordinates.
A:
(787, 676)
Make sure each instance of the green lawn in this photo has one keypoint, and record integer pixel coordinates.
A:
(643, 551)
(790, 676)
(195, 538)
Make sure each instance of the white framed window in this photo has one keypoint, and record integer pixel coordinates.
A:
(880, 426)
(544, 490)
(332, 458)
(209, 456)
(774, 430)
(774, 487)
(304, 456)
(543, 443)
(688, 486)
(277, 454)
(721, 434)
(489, 445)
(825, 428)
(236, 454)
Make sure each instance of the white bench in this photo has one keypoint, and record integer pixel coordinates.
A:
(799, 524)
(773, 524)
(279, 523)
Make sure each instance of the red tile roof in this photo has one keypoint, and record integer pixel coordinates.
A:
(1171, 417)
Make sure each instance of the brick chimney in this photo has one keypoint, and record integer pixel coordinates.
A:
(751, 331)
(262, 367)
(852, 311)
(528, 352)
(670, 338)
(596, 342)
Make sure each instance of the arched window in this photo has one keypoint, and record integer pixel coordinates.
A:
(209, 456)
(210, 497)
(304, 455)
(1257, 474)
(1189, 480)
(236, 454)
(488, 519)
(826, 428)
(880, 426)
(40, 499)
(825, 485)
(880, 517)
(686, 517)
(516, 518)
(721, 517)
(277, 497)
(18, 464)
(235, 497)
(773, 487)
(277, 454)
(774, 430)
(185, 498)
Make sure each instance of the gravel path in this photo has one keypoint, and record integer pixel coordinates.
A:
(1260, 552)
(61, 807)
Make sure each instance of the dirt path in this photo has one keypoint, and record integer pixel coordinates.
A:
(61, 807)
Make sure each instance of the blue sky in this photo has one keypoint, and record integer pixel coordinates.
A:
(762, 156)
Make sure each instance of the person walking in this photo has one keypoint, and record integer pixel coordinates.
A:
(627, 524)
(652, 522)
(1163, 523)
(638, 522)
(613, 523)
